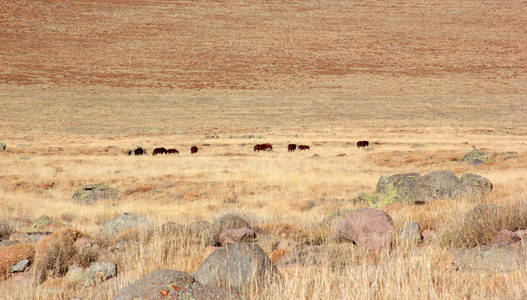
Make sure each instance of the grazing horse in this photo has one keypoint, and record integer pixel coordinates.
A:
(257, 147)
(303, 147)
(263, 147)
(291, 147)
(193, 149)
(160, 150)
(139, 151)
(172, 151)
(363, 144)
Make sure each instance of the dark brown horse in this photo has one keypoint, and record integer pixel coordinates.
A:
(138, 151)
(172, 151)
(363, 144)
(303, 147)
(160, 150)
(193, 149)
(291, 147)
(263, 147)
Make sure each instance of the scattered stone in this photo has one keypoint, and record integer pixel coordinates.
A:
(369, 228)
(24, 157)
(171, 284)
(429, 235)
(228, 221)
(376, 200)
(99, 272)
(232, 236)
(521, 233)
(330, 222)
(29, 237)
(74, 275)
(111, 229)
(411, 233)
(11, 255)
(476, 162)
(505, 237)
(5, 243)
(472, 186)
(19, 266)
(508, 155)
(436, 185)
(91, 193)
(239, 266)
(3, 146)
(492, 259)
(212, 136)
(43, 224)
(315, 155)
(476, 154)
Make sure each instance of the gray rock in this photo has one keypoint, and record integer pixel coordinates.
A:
(91, 193)
(491, 259)
(239, 266)
(29, 237)
(3, 146)
(476, 154)
(171, 284)
(5, 243)
(435, 185)
(399, 186)
(19, 266)
(232, 236)
(99, 272)
(411, 233)
(476, 162)
(24, 157)
(114, 226)
(330, 222)
(472, 186)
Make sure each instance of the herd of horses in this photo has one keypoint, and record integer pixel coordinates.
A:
(257, 148)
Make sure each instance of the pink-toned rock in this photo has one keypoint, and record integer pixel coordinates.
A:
(505, 237)
(429, 235)
(233, 236)
(522, 233)
(369, 228)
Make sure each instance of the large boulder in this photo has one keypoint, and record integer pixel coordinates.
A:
(411, 233)
(435, 185)
(369, 228)
(171, 284)
(111, 228)
(225, 222)
(490, 259)
(91, 193)
(476, 155)
(239, 266)
(472, 186)
(399, 186)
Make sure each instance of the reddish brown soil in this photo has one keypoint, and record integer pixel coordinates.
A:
(462, 46)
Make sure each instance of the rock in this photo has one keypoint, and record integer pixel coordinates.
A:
(505, 237)
(171, 284)
(521, 233)
(489, 259)
(334, 256)
(239, 266)
(376, 200)
(435, 185)
(472, 186)
(74, 275)
(29, 237)
(3, 146)
(228, 221)
(330, 222)
(13, 254)
(369, 228)
(232, 236)
(401, 187)
(19, 266)
(24, 157)
(5, 243)
(99, 272)
(45, 224)
(475, 154)
(411, 233)
(111, 228)
(200, 230)
(429, 235)
(91, 193)
(476, 162)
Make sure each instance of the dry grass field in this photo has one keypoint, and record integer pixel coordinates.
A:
(424, 82)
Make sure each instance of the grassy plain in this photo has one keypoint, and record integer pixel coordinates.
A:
(423, 82)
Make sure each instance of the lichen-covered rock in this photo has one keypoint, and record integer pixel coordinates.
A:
(2, 146)
(99, 272)
(111, 228)
(377, 200)
(91, 193)
(472, 186)
(435, 185)
(239, 266)
(74, 274)
(411, 233)
(228, 221)
(369, 228)
(330, 222)
(171, 285)
(491, 259)
(476, 154)
(399, 186)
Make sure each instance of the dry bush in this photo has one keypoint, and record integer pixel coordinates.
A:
(10, 255)
(481, 224)
(54, 254)
(5, 230)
